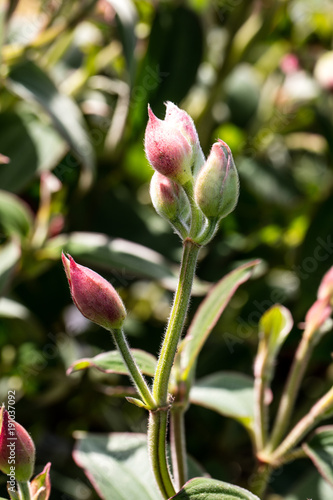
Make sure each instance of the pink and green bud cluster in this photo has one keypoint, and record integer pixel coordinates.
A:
(217, 186)
(94, 296)
(170, 201)
(17, 449)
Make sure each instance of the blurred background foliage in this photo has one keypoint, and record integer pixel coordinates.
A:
(76, 78)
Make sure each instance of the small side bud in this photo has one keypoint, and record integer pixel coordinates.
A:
(325, 290)
(217, 186)
(40, 486)
(17, 449)
(167, 149)
(169, 199)
(93, 295)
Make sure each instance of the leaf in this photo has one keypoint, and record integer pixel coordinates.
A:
(40, 149)
(173, 57)
(311, 486)
(208, 314)
(127, 19)
(274, 326)
(205, 488)
(10, 254)
(111, 362)
(15, 216)
(30, 82)
(229, 394)
(97, 249)
(319, 449)
(118, 465)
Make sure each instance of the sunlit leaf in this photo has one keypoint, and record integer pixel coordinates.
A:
(30, 82)
(10, 254)
(16, 218)
(118, 465)
(113, 254)
(209, 312)
(112, 362)
(229, 394)
(310, 486)
(274, 326)
(127, 19)
(319, 449)
(40, 148)
(211, 489)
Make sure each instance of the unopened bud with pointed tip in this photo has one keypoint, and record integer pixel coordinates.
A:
(325, 290)
(217, 186)
(167, 149)
(182, 120)
(17, 449)
(93, 295)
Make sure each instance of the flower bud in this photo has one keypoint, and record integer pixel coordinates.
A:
(94, 296)
(217, 186)
(40, 486)
(169, 198)
(167, 149)
(317, 315)
(325, 290)
(17, 449)
(182, 120)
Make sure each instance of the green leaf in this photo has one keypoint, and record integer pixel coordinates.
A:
(15, 216)
(230, 394)
(127, 19)
(319, 449)
(311, 486)
(40, 149)
(118, 465)
(173, 56)
(208, 314)
(10, 254)
(97, 249)
(211, 489)
(30, 82)
(274, 326)
(111, 362)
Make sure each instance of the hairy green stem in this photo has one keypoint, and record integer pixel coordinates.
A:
(197, 215)
(260, 479)
(178, 445)
(260, 412)
(23, 488)
(176, 323)
(135, 373)
(157, 430)
(291, 389)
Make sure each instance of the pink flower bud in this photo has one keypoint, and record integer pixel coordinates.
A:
(40, 486)
(169, 198)
(167, 149)
(318, 313)
(217, 186)
(325, 290)
(17, 449)
(183, 122)
(94, 296)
